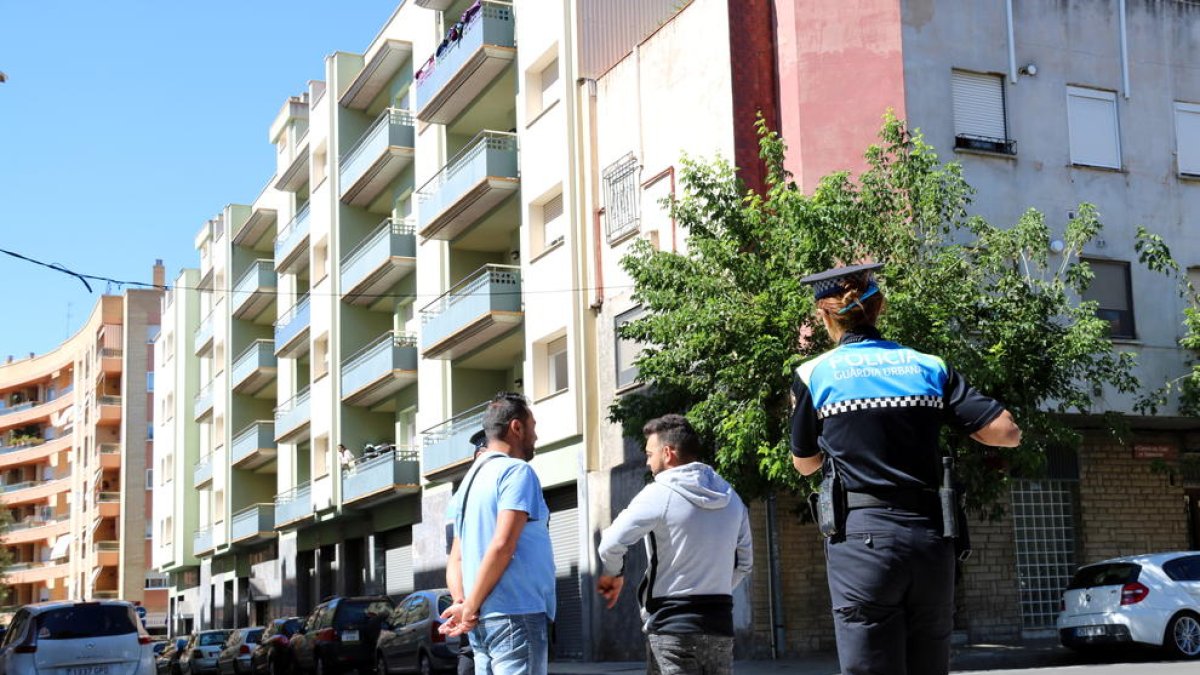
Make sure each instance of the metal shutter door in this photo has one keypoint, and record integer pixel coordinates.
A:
(564, 536)
(399, 570)
(979, 105)
(1187, 135)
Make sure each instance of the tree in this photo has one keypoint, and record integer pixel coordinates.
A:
(727, 322)
(6, 555)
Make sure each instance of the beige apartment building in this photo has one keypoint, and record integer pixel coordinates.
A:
(75, 449)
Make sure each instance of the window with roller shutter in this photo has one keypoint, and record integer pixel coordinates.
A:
(980, 119)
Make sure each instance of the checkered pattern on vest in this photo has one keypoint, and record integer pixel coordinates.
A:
(883, 402)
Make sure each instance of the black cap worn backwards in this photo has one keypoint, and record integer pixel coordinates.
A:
(829, 282)
(478, 439)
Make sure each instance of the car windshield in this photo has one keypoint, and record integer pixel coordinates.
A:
(81, 621)
(290, 626)
(254, 636)
(1105, 574)
(359, 611)
(214, 638)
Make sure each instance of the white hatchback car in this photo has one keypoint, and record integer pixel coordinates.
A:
(77, 638)
(1151, 599)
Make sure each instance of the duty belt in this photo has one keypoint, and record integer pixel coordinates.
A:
(920, 501)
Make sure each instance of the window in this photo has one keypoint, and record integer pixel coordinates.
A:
(1186, 568)
(149, 479)
(553, 225)
(980, 122)
(627, 350)
(320, 361)
(320, 456)
(1187, 138)
(541, 82)
(156, 582)
(1044, 529)
(152, 334)
(1092, 126)
(150, 381)
(149, 529)
(218, 506)
(556, 360)
(621, 198)
(1112, 290)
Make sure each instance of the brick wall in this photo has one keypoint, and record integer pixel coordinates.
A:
(987, 597)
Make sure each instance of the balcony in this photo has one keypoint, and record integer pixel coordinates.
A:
(34, 572)
(293, 506)
(481, 307)
(254, 369)
(254, 293)
(35, 529)
(32, 491)
(108, 553)
(253, 524)
(202, 472)
(295, 174)
(481, 176)
(203, 406)
(380, 369)
(204, 335)
(108, 410)
(31, 451)
(291, 419)
(202, 541)
(254, 446)
(291, 331)
(447, 450)
(378, 157)
(108, 504)
(374, 479)
(255, 227)
(110, 456)
(371, 270)
(377, 72)
(111, 362)
(436, 5)
(291, 243)
(467, 66)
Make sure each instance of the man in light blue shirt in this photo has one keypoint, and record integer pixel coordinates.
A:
(501, 567)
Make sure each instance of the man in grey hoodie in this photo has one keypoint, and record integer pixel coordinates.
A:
(697, 535)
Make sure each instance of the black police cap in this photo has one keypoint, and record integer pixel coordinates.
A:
(829, 282)
(478, 439)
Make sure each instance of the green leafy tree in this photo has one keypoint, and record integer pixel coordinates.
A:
(6, 556)
(727, 322)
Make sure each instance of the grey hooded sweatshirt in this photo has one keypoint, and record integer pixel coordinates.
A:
(697, 535)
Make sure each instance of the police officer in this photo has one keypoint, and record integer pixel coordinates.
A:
(868, 413)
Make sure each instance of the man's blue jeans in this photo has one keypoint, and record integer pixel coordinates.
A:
(511, 645)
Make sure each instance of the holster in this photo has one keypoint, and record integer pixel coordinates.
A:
(828, 505)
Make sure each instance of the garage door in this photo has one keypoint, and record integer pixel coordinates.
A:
(567, 642)
(398, 561)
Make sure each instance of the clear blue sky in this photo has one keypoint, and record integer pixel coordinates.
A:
(126, 124)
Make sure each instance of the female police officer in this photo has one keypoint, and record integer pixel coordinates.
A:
(869, 411)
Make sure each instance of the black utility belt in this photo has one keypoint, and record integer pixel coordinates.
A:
(919, 501)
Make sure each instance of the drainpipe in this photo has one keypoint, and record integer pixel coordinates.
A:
(1124, 52)
(1012, 47)
(775, 606)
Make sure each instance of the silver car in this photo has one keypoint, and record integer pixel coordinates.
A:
(77, 638)
(200, 655)
(234, 658)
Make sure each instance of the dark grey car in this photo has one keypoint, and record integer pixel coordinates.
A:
(410, 641)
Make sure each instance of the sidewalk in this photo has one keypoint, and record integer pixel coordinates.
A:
(966, 658)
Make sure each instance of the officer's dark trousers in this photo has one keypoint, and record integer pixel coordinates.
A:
(891, 580)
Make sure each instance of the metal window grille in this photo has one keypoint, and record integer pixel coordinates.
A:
(1044, 528)
(621, 199)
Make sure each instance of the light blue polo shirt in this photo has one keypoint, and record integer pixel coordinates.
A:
(506, 484)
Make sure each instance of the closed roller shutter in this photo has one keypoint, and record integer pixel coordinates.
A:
(564, 536)
(979, 105)
(399, 570)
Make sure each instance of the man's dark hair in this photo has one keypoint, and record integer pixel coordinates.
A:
(503, 409)
(675, 431)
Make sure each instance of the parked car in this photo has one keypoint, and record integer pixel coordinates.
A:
(200, 654)
(167, 663)
(1149, 599)
(410, 640)
(271, 655)
(234, 658)
(340, 635)
(103, 637)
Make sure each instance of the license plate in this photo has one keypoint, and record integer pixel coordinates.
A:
(88, 670)
(349, 636)
(1089, 631)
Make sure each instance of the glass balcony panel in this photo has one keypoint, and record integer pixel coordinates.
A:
(291, 419)
(371, 270)
(446, 450)
(380, 369)
(204, 402)
(378, 157)
(293, 505)
(374, 478)
(202, 472)
(255, 368)
(204, 335)
(254, 446)
(448, 82)
(291, 243)
(253, 524)
(254, 293)
(291, 330)
(481, 307)
(202, 541)
(481, 176)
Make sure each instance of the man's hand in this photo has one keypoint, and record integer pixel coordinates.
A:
(461, 617)
(609, 588)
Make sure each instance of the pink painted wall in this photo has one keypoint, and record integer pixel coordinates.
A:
(841, 66)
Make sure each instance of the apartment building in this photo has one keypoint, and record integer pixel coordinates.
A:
(76, 434)
(1045, 105)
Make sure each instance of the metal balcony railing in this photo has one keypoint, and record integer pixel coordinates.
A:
(291, 324)
(253, 438)
(292, 414)
(376, 263)
(252, 522)
(491, 26)
(257, 362)
(378, 361)
(290, 237)
(380, 475)
(492, 288)
(447, 445)
(293, 505)
(368, 166)
(491, 154)
(202, 472)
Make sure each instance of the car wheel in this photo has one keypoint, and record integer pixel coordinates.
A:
(424, 667)
(1183, 636)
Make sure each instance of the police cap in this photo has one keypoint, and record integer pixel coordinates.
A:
(478, 439)
(830, 281)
